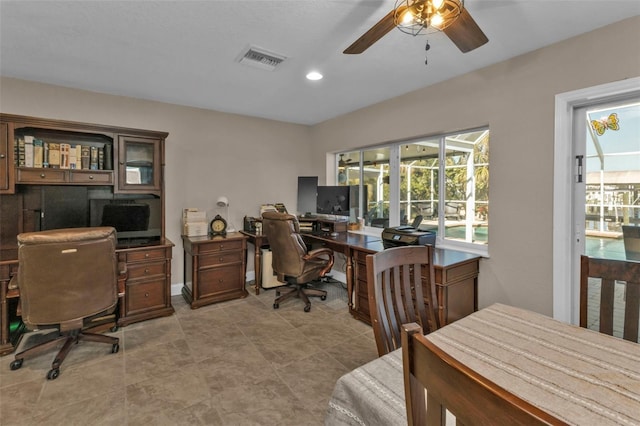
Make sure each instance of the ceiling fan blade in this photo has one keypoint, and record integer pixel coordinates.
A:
(465, 33)
(374, 34)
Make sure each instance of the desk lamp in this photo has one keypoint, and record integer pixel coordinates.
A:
(224, 202)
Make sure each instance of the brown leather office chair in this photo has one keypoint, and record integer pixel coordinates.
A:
(291, 261)
(396, 293)
(66, 277)
(609, 271)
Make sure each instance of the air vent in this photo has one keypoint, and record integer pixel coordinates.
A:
(261, 58)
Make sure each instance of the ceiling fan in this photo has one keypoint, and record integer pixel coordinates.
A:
(342, 162)
(424, 16)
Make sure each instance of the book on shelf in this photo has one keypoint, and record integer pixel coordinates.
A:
(108, 156)
(21, 162)
(93, 158)
(54, 155)
(64, 155)
(73, 157)
(45, 154)
(38, 152)
(101, 159)
(84, 156)
(28, 151)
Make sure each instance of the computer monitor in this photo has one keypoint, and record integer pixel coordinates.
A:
(307, 193)
(333, 200)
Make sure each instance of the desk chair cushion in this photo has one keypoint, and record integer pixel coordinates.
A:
(72, 257)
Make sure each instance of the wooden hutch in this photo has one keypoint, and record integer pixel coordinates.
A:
(123, 168)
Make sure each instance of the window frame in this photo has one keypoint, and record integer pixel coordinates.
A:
(394, 187)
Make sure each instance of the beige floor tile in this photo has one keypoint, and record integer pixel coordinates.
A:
(239, 362)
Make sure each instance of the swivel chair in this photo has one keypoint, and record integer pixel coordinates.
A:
(291, 261)
(66, 277)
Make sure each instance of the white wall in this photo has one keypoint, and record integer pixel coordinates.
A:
(208, 154)
(253, 161)
(516, 99)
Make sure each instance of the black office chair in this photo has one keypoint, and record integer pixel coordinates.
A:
(291, 261)
(67, 279)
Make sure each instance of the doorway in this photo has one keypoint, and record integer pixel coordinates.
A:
(594, 164)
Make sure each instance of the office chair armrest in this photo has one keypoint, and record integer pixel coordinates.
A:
(122, 277)
(323, 253)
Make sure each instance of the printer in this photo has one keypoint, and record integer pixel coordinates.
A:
(406, 236)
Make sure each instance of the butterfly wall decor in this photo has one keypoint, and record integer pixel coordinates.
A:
(610, 122)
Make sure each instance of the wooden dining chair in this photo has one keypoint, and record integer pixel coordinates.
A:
(451, 385)
(610, 271)
(398, 295)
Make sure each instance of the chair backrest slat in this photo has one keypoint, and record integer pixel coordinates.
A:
(401, 287)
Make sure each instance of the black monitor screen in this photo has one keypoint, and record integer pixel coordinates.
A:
(333, 200)
(307, 193)
(126, 217)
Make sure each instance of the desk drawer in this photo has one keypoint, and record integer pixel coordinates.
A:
(145, 296)
(41, 176)
(222, 245)
(145, 270)
(221, 258)
(219, 280)
(93, 177)
(460, 272)
(143, 255)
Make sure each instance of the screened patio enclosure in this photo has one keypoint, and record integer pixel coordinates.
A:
(612, 177)
(458, 205)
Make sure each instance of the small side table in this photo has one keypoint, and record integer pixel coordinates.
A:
(214, 269)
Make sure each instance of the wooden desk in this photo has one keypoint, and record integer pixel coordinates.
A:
(577, 375)
(456, 273)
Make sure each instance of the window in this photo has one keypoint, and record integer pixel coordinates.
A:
(401, 182)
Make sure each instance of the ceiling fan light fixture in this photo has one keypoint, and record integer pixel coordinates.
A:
(417, 17)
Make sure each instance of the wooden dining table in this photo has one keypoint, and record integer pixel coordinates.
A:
(580, 376)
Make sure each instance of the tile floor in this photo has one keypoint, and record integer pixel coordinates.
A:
(234, 363)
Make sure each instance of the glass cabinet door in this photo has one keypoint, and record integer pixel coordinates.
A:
(139, 164)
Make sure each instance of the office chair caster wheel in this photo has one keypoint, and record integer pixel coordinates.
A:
(115, 348)
(324, 297)
(276, 306)
(16, 364)
(307, 308)
(53, 374)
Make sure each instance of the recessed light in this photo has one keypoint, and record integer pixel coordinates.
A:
(314, 75)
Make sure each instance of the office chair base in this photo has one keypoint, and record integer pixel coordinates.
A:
(301, 291)
(69, 339)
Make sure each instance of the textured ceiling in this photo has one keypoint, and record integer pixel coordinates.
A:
(186, 52)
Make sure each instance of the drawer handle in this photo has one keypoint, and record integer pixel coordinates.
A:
(146, 271)
(221, 280)
(221, 246)
(90, 177)
(146, 255)
(42, 175)
(2, 155)
(146, 295)
(221, 259)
